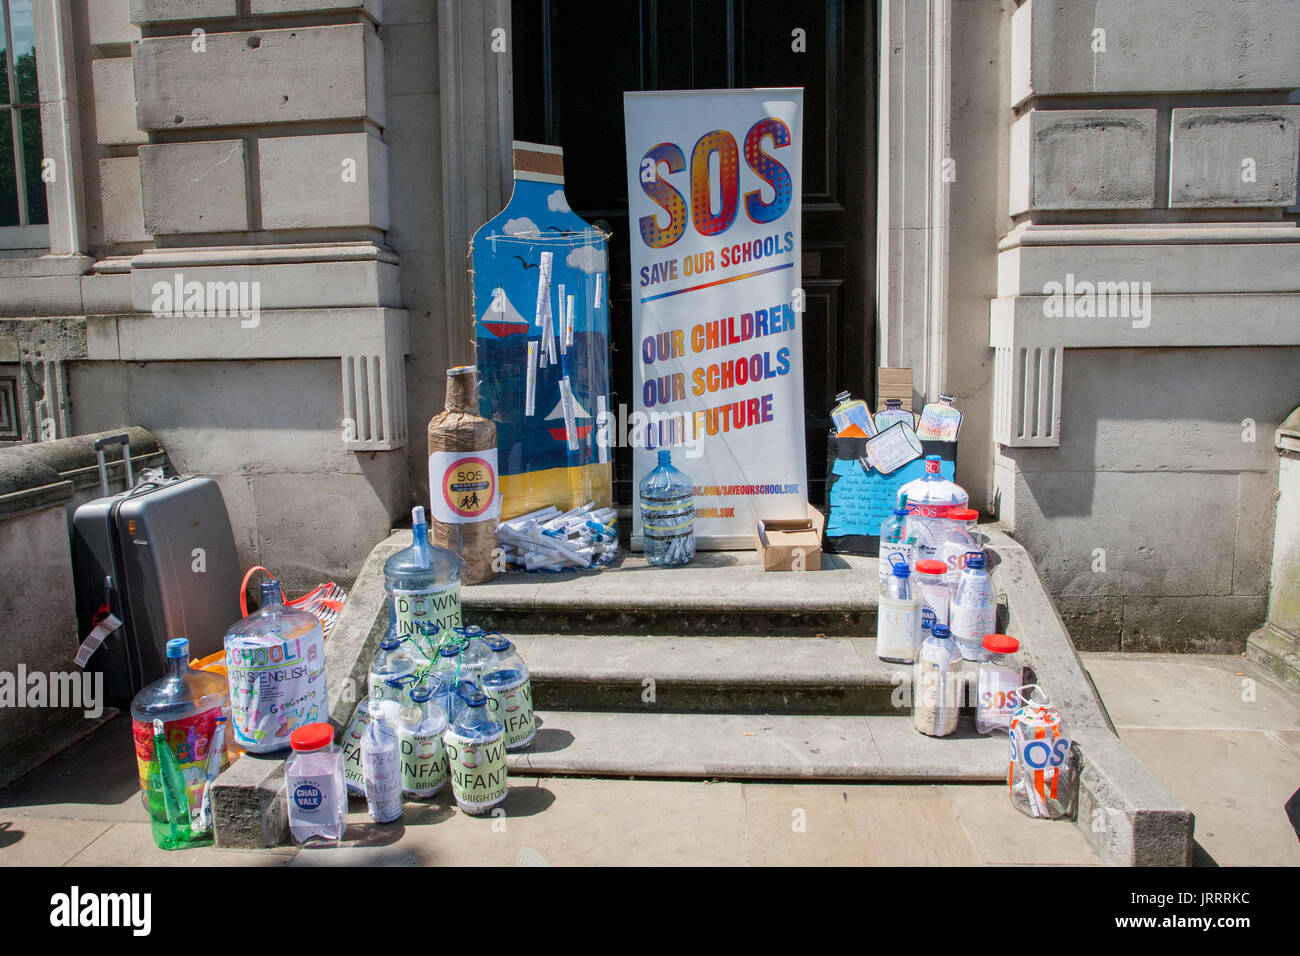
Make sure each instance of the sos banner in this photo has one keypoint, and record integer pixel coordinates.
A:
(714, 188)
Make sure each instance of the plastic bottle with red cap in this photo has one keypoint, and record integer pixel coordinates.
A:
(315, 791)
(959, 537)
(1000, 677)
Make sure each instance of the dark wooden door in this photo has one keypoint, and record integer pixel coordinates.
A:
(573, 60)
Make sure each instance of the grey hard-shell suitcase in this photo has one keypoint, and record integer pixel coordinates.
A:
(160, 556)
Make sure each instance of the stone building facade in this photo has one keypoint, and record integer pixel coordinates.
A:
(1085, 227)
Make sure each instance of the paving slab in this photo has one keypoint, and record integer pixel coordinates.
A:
(854, 826)
(132, 844)
(1236, 782)
(95, 779)
(42, 841)
(1003, 836)
(639, 823)
(1224, 692)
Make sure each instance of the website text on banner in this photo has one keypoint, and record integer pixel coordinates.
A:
(714, 190)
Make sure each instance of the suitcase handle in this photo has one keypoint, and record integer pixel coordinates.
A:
(100, 445)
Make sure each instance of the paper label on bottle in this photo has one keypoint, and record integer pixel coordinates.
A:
(898, 628)
(478, 769)
(954, 555)
(935, 597)
(514, 708)
(439, 606)
(998, 697)
(382, 771)
(463, 486)
(189, 739)
(276, 686)
(971, 623)
(424, 763)
(350, 744)
(313, 799)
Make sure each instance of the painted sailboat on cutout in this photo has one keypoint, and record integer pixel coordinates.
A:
(501, 317)
(579, 413)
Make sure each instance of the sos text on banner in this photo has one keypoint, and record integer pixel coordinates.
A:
(714, 190)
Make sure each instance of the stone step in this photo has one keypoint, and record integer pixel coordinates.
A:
(714, 675)
(755, 747)
(719, 593)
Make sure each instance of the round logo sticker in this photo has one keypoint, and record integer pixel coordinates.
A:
(469, 486)
(307, 796)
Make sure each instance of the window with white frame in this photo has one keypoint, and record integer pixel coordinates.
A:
(22, 191)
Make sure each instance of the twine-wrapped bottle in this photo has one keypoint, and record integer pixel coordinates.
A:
(465, 498)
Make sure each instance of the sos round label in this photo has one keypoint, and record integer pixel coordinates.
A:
(463, 487)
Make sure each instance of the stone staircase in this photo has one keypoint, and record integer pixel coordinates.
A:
(718, 671)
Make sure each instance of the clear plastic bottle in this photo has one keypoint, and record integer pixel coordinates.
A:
(667, 514)
(974, 608)
(1000, 679)
(476, 656)
(506, 681)
(392, 662)
(898, 618)
(958, 538)
(420, 727)
(188, 705)
(892, 413)
(930, 498)
(315, 791)
(381, 763)
(476, 752)
(893, 541)
(937, 684)
(275, 664)
(932, 589)
(423, 582)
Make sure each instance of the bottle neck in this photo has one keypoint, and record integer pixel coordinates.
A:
(462, 390)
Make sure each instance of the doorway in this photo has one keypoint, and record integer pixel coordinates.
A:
(573, 60)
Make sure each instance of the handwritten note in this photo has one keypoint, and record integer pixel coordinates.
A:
(861, 500)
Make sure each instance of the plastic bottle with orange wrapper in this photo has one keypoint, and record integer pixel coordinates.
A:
(1043, 776)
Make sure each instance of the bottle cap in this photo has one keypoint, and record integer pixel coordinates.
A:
(974, 559)
(941, 631)
(417, 516)
(475, 697)
(931, 567)
(390, 643)
(842, 397)
(932, 464)
(892, 403)
(945, 398)
(311, 737)
(178, 647)
(901, 570)
(964, 514)
(498, 643)
(1001, 643)
(421, 692)
(665, 457)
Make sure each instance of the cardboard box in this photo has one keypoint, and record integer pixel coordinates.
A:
(779, 542)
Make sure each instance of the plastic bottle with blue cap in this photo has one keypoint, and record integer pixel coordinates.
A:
(476, 752)
(898, 617)
(973, 613)
(506, 681)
